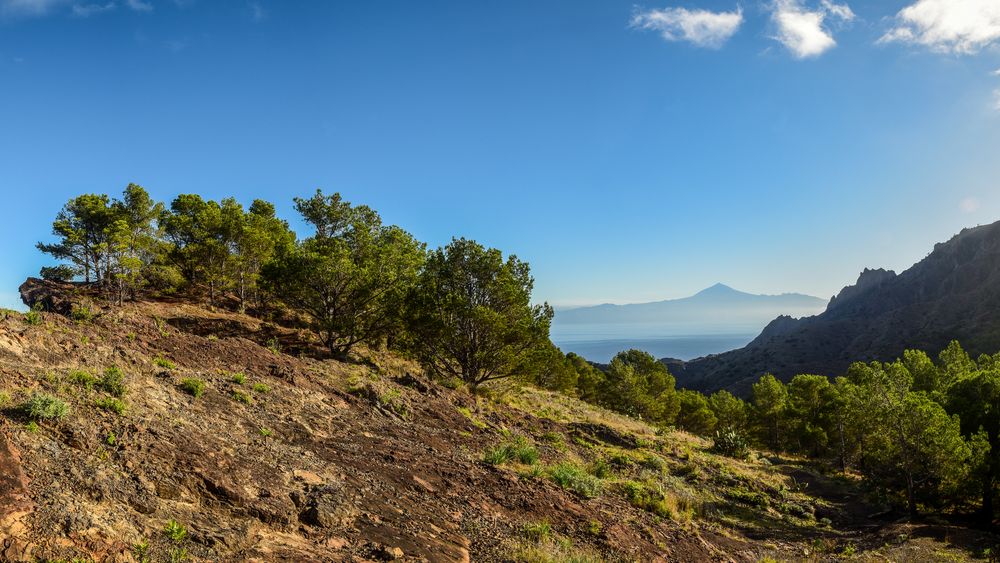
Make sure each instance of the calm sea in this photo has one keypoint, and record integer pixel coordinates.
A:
(599, 343)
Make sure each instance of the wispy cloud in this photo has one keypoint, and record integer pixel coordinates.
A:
(87, 10)
(969, 205)
(257, 12)
(139, 5)
(806, 32)
(948, 26)
(996, 99)
(28, 8)
(700, 27)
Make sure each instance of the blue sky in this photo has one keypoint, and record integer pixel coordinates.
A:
(629, 151)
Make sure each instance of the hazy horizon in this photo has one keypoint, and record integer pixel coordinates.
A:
(627, 156)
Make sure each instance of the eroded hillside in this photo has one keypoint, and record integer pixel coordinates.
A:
(198, 435)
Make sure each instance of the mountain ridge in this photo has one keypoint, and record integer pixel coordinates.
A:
(712, 304)
(953, 293)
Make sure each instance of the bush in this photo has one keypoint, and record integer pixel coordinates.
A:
(42, 406)
(239, 378)
(164, 363)
(241, 397)
(574, 478)
(261, 388)
(81, 313)
(111, 404)
(174, 531)
(33, 318)
(193, 387)
(113, 382)
(731, 444)
(519, 450)
(537, 531)
(82, 377)
(498, 455)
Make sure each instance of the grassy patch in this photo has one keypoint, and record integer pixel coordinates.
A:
(193, 386)
(572, 477)
(111, 404)
(83, 378)
(113, 382)
(239, 378)
(261, 388)
(164, 363)
(472, 418)
(519, 450)
(42, 406)
(241, 397)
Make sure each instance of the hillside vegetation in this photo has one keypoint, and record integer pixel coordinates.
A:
(196, 381)
(164, 431)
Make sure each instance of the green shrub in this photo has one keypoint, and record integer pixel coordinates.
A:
(751, 498)
(113, 382)
(164, 363)
(42, 406)
(498, 455)
(239, 378)
(111, 404)
(33, 317)
(174, 531)
(192, 386)
(574, 478)
(519, 450)
(537, 531)
(731, 443)
(81, 313)
(83, 377)
(261, 388)
(241, 397)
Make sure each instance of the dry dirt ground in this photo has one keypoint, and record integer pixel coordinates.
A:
(287, 456)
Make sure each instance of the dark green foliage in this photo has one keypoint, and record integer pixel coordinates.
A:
(351, 277)
(638, 385)
(471, 314)
(695, 415)
(61, 273)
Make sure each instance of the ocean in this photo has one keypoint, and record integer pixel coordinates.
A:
(600, 343)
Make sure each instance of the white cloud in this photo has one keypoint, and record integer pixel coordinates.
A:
(803, 31)
(996, 99)
(700, 27)
(996, 72)
(87, 10)
(19, 8)
(949, 26)
(139, 5)
(969, 205)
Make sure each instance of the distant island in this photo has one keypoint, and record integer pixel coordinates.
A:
(713, 320)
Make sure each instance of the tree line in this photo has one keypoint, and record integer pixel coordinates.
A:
(463, 310)
(921, 432)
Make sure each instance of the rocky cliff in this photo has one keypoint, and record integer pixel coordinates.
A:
(954, 293)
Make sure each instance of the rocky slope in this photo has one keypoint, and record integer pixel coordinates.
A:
(954, 293)
(287, 456)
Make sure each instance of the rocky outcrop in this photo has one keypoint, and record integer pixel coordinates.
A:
(954, 293)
